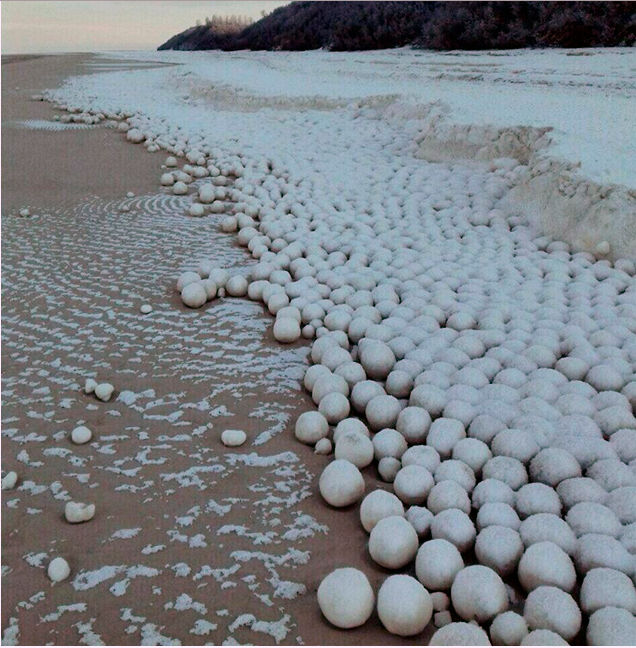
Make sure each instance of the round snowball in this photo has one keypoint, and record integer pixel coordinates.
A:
(389, 443)
(377, 505)
(286, 330)
(508, 629)
(382, 412)
(413, 483)
(334, 407)
(437, 563)
(345, 598)
(545, 563)
(537, 498)
(354, 447)
(543, 638)
(393, 542)
(499, 548)
(478, 593)
(498, 514)
(552, 465)
(456, 527)
(404, 606)
(311, 427)
(341, 483)
(460, 634)
(549, 608)
(448, 494)
(58, 569)
(194, 295)
(603, 587)
(611, 626)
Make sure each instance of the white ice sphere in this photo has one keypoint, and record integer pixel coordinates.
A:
(497, 514)
(543, 638)
(413, 424)
(437, 563)
(382, 412)
(171, 161)
(622, 501)
(345, 598)
(58, 569)
(286, 330)
(228, 224)
(550, 608)
(311, 427)
(354, 447)
(81, 434)
(145, 309)
(545, 563)
(179, 188)
(553, 465)
(535, 498)
(194, 295)
(506, 469)
(413, 484)
(210, 288)
(478, 593)
(499, 548)
(389, 443)
(341, 483)
(420, 518)
(76, 512)
(328, 383)
(378, 505)
(448, 494)
(334, 407)
(236, 286)
(460, 633)
(456, 471)
(388, 468)
(592, 517)
(603, 587)
(104, 391)
(508, 629)
(444, 434)
(323, 446)
(472, 452)
(604, 377)
(186, 278)
(404, 605)
(393, 542)
(219, 276)
(89, 386)
(350, 425)
(595, 550)
(166, 180)
(492, 490)
(363, 392)
(422, 455)
(9, 480)
(196, 209)
(207, 193)
(611, 626)
(377, 358)
(546, 527)
(456, 527)
(441, 601)
(233, 438)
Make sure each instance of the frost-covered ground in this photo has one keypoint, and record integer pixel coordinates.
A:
(406, 233)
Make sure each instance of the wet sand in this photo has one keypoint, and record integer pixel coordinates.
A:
(189, 538)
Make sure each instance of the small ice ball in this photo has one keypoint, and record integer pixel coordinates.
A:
(58, 569)
(388, 467)
(81, 434)
(404, 605)
(341, 483)
(550, 608)
(236, 286)
(104, 391)
(389, 443)
(286, 330)
(233, 438)
(420, 518)
(89, 386)
(334, 407)
(478, 593)
(543, 638)
(345, 598)
(437, 563)
(323, 447)
(194, 295)
(145, 309)
(196, 209)
(186, 278)
(378, 505)
(311, 427)
(354, 447)
(499, 548)
(179, 188)
(604, 587)
(10, 480)
(459, 633)
(508, 629)
(545, 563)
(393, 542)
(611, 626)
(166, 180)
(413, 484)
(382, 412)
(77, 512)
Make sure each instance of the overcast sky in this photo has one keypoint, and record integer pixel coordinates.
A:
(81, 26)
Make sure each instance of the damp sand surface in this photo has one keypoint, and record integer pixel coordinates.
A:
(192, 543)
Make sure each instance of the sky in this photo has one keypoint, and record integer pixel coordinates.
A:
(86, 25)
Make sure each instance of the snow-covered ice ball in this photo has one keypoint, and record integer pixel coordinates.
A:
(399, 383)
(485, 427)
(472, 452)
(622, 501)
(404, 605)
(378, 505)
(545, 563)
(58, 569)
(437, 563)
(592, 517)
(81, 434)
(352, 372)
(179, 188)
(236, 286)
(595, 550)
(543, 638)
(492, 490)
(603, 587)
(441, 601)
(604, 377)
(429, 397)
(420, 518)
(166, 180)
(377, 358)
(311, 427)
(478, 593)
(363, 392)
(233, 438)
(508, 629)
(354, 447)
(89, 386)
(580, 489)
(196, 210)
(456, 471)
(413, 484)
(535, 498)
(611, 474)
(186, 278)
(171, 161)
(444, 434)
(194, 295)
(76, 512)
(229, 224)
(497, 514)
(104, 391)
(506, 469)
(207, 193)
(448, 494)
(334, 407)
(519, 444)
(413, 424)
(350, 425)
(345, 598)
(382, 412)
(422, 455)
(499, 548)
(286, 330)
(328, 383)
(9, 480)
(460, 633)
(546, 527)
(388, 468)
(389, 443)
(393, 542)
(145, 309)
(341, 483)
(550, 608)
(456, 527)
(624, 443)
(611, 626)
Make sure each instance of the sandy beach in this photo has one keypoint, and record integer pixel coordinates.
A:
(189, 538)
